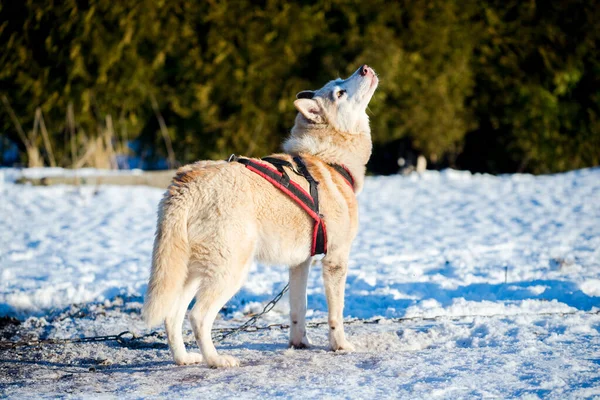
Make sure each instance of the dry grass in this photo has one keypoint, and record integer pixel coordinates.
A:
(95, 151)
(81, 149)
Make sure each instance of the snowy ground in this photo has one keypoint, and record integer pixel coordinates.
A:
(508, 268)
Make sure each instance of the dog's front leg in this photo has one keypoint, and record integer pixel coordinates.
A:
(298, 281)
(334, 277)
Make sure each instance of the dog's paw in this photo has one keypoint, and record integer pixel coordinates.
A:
(299, 341)
(303, 343)
(344, 346)
(223, 362)
(188, 358)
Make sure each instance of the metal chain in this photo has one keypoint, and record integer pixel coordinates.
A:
(250, 325)
(130, 339)
(120, 338)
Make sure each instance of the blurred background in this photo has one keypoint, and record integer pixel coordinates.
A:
(487, 86)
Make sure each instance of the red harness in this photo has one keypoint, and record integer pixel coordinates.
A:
(278, 177)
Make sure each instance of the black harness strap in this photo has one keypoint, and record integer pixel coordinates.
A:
(320, 233)
(343, 171)
(314, 192)
(279, 163)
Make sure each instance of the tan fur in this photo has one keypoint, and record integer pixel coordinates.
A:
(217, 217)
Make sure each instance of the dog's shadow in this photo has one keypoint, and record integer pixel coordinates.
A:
(270, 347)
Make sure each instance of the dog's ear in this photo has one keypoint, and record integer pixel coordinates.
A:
(310, 109)
(305, 94)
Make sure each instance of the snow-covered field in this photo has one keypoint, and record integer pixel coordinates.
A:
(497, 279)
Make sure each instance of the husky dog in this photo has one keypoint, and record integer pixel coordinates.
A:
(217, 217)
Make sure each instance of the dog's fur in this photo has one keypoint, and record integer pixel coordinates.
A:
(217, 217)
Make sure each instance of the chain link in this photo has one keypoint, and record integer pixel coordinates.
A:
(120, 338)
(250, 325)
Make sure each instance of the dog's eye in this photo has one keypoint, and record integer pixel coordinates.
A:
(340, 93)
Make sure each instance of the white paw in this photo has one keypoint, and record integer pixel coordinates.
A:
(344, 346)
(188, 358)
(223, 362)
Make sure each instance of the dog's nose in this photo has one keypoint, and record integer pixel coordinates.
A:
(364, 70)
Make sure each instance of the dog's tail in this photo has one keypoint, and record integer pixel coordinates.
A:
(170, 259)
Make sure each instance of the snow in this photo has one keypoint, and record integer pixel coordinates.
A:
(482, 286)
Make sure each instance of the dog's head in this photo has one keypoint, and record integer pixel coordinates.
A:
(341, 103)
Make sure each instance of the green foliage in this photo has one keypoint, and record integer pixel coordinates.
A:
(538, 84)
(518, 80)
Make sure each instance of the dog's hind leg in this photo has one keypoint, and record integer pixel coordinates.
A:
(298, 280)
(174, 324)
(215, 291)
